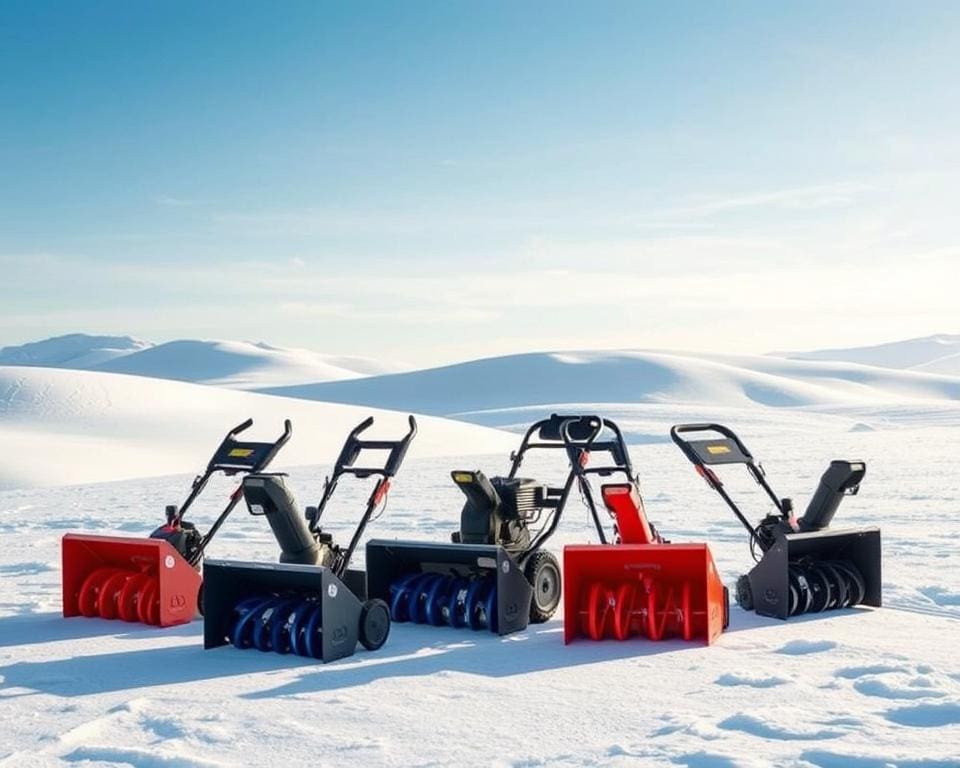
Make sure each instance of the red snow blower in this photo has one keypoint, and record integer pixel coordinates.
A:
(640, 585)
(156, 580)
(802, 566)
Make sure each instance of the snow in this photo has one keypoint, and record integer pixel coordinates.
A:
(862, 688)
(242, 364)
(634, 376)
(921, 354)
(60, 426)
(75, 350)
(234, 364)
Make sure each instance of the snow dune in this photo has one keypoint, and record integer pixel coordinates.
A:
(929, 353)
(630, 376)
(235, 364)
(61, 426)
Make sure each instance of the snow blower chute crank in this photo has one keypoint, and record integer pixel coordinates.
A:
(157, 580)
(802, 565)
(311, 603)
(640, 585)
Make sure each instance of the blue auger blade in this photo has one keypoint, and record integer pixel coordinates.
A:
(280, 625)
(420, 596)
(456, 611)
(471, 603)
(435, 600)
(298, 635)
(241, 633)
(399, 592)
(414, 594)
(314, 634)
(263, 625)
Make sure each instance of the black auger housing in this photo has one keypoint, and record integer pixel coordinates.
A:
(802, 565)
(311, 603)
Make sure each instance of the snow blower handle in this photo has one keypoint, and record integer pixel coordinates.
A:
(727, 449)
(351, 451)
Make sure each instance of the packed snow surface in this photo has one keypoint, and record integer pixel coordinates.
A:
(863, 688)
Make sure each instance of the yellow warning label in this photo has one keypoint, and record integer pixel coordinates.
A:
(241, 453)
(463, 477)
(717, 449)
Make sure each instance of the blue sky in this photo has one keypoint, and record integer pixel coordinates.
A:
(438, 181)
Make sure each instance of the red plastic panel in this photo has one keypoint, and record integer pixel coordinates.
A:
(115, 577)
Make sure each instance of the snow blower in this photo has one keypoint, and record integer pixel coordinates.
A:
(495, 574)
(802, 565)
(640, 585)
(311, 603)
(156, 580)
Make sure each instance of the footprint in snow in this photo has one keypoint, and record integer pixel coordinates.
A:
(771, 730)
(852, 673)
(926, 715)
(825, 759)
(804, 647)
(881, 689)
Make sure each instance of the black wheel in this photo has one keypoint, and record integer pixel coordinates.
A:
(744, 594)
(374, 624)
(200, 599)
(543, 572)
(726, 607)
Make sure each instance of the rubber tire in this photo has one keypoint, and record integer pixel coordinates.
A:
(744, 593)
(542, 570)
(374, 624)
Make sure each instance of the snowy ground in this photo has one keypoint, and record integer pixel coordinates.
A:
(858, 688)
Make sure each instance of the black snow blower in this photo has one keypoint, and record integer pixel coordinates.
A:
(156, 580)
(802, 565)
(495, 574)
(311, 603)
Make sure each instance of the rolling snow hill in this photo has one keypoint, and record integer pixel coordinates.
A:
(241, 364)
(930, 353)
(60, 427)
(234, 364)
(75, 350)
(633, 377)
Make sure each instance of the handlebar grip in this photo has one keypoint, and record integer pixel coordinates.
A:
(413, 429)
(362, 427)
(287, 432)
(240, 428)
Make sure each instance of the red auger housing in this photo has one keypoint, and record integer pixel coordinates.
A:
(156, 580)
(640, 585)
